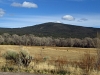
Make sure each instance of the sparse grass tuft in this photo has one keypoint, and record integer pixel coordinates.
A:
(52, 61)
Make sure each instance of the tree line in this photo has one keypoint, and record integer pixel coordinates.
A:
(31, 40)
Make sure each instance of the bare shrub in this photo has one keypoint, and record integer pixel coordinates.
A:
(23, 58)
(61, 65)
(11, 55)
(87, 62)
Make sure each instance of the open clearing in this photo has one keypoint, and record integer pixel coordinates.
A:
(67, 53)
(70, 53)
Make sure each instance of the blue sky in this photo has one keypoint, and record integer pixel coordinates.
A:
(21, 13)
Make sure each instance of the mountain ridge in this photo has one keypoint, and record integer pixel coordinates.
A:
(56, 30)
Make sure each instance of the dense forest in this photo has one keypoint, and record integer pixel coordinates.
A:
(55, 30)
(32, 40)
(50, 34)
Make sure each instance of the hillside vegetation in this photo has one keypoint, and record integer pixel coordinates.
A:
(56, 30)
(31, 40)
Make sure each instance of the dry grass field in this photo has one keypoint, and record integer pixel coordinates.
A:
(52, 53)
(69, 52)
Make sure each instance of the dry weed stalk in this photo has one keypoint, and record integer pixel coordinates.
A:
(87, 62)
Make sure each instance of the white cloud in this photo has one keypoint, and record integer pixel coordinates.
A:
(68, 17)
(82, 19)
(1, 12)
(28, 20)
(29, 5)
(25, 4)
(16, 4)
(58, 22)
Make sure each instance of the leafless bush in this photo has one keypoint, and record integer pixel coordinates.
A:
(87, 62)
(22, 58)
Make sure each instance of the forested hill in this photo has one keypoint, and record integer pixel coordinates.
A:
(55, 30)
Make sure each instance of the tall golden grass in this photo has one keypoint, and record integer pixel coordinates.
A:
(54, 60)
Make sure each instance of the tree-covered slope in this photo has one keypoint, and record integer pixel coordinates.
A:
(54, 30)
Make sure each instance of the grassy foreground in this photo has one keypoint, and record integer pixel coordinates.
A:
(53, 60)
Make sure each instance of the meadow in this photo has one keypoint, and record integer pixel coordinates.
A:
(53, 60)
